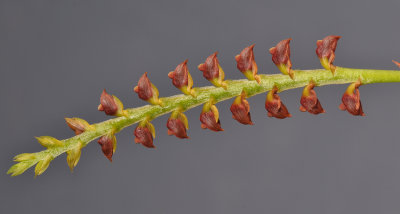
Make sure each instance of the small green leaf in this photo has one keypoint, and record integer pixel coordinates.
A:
(74, 155)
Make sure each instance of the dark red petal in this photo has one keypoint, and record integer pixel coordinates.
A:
(352, 103)
(144, 89)
(144, 137)
(106, 143)
(107, 104)
(326, 47)
(207, 120)
(210, 67)
(245, 59)
(281, 52)
(276, 108)
(180, 75)
(311, 103)
(241, 112)
(177, 128)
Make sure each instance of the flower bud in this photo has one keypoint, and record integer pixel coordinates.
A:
(209, 117)
(240, 109)
(281, 57)
(147, 91)
(177, 125)
(274, 105)
(42, 165)
(110, 104)
(108, 145)
(212, 71)
(73, 155)
(144, 134)
(78, 125)
(182, 79)
(48, 141)
(246, 63)
(396, 63)
(351, 100)
(25, 157)
(309, 101)
(326, 52)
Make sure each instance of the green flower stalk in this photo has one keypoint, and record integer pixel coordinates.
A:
(208, 96)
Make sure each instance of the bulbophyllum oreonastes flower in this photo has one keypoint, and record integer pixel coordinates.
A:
(147, 91)
(108, 145)
(281, 57)
(274, 105)
(144, 134)
(182, 79)
(177, 125)
(351, 100)
(240, 109)
(209, 117)
(326, 52)
(212, 71)
(78, 125)
(111, 105)
(309, 100)
(246, 63)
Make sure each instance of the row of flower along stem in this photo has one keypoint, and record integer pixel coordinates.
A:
(234, 88)
(177, 123)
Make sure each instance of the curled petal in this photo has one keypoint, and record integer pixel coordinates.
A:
(209, 121)
(246, 63)
(274, 105)
(309, 101)
(351, 100)
(281, 57)
(108, 145)
(326, 51)
(144, 136)
(212, 71)
(240, 109)
(176, 127)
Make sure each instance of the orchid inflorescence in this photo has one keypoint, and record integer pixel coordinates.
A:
(240, 90)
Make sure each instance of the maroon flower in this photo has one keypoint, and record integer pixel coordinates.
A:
(240, 109)
(212, 71)
(351, 100)
(176, 127)
(110, 104)
(77, 125)
(274, 105)
(326, 51)
(281, 57)
(246, 63)
(144, 135)
(309, 101)
(182, 79)
(147, 91)
(108, 145)
(209, 117)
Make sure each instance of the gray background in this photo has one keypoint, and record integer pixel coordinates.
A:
(57, 56)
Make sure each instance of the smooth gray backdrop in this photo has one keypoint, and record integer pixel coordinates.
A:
(57, 56)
